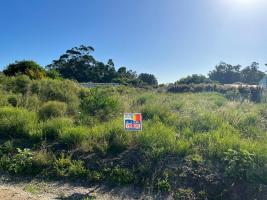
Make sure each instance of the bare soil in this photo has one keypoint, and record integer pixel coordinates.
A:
(21, 189)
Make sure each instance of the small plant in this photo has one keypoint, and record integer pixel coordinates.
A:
(95, 176)
(42, 160)
(6, 148)
(163, 185)
(33, 189)
(19, 163)
(184, 194)
(65, 167)
(120, 176)
(239, 164)
(12, 100)
(77, 169)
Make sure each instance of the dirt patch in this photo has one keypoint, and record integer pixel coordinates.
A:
(15, 193)
(23, 189)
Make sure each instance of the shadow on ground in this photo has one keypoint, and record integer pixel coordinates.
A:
(77, 196)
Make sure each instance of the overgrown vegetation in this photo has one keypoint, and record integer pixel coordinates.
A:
(193, 145)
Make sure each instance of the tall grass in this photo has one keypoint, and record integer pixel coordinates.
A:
(17, 122)
(191, 137)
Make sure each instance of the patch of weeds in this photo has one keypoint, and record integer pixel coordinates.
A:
(33, 189)
(65, 167)
(239, 164)
(19, 163)
(119, 176)
(184, 194)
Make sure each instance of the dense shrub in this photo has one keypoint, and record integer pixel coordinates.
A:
(157, 138)
(204, 141)
(19, 163)
(100, 104)
(73, 136)
(16, 122)
(12, 100)
(42, 160)
(27, 67)
(239, 164)
(235, 93)
(54, 127)
(119, 176)
(57, 90)
(117, 141)
(52, 109)
(66, 167)
(19, 84)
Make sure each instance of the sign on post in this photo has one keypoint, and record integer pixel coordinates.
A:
(133, 121)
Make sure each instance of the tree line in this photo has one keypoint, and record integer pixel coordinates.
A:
(227, 74)
(79, 64)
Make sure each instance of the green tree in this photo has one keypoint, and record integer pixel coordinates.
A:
(225, 73)
(148, 79)
(194, 79)
(252, 74)
(78, 64)
(125, 76)
(25, 67)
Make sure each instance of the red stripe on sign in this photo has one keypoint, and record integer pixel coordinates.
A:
(138, 117)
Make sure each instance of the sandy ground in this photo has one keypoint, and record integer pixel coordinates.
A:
(16, 189)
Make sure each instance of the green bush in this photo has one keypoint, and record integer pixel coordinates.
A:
(52, 109)
(27, 67)
(20, 84)
(3, 98)
(54, 127)
(57, 90)
(65, 167)
(98, 103)
(163, 185)
(119, 176)
(117, 141)
(157, 138)
(6, 148)
(21, 162)
(16, 122)
(239, 164)
(77, 169)
(12, 100)
(95, 176)
(73, 136)
(184, 194)
(42, 160)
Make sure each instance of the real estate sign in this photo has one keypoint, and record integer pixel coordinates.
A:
(133, 121)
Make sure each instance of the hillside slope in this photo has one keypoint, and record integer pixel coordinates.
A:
(192, 146)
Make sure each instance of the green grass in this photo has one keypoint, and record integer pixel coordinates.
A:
(189, 141)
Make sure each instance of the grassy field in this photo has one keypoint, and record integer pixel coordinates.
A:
(193, 146)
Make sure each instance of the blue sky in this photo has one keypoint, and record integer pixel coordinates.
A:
(169, 38)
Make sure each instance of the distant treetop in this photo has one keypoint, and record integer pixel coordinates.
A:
(26, 67)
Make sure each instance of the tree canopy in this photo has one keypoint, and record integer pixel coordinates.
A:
(225, 73)
(194, 79)
(26, 67)
(252, 74)
(148, 79)
(78, 63)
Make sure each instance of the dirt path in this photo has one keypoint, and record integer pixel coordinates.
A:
(15, 189)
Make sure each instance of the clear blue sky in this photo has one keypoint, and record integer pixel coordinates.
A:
(169, 38)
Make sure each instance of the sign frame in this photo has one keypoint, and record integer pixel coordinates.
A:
(130, 117)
